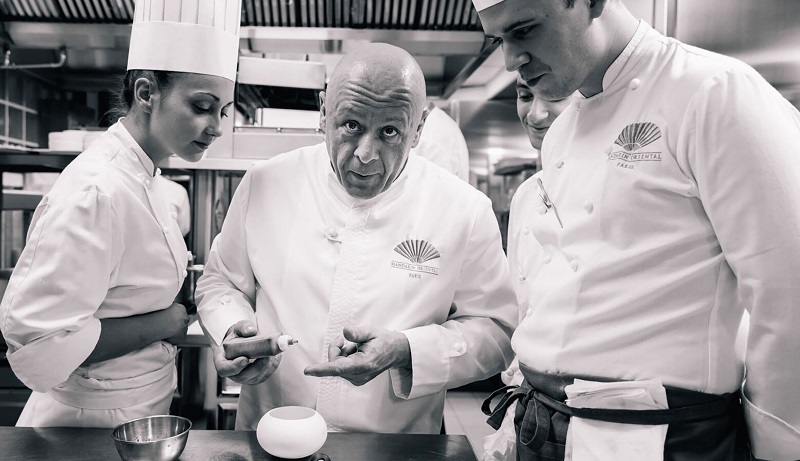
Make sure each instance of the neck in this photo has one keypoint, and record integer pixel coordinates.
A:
(619, 26)
(137, 126)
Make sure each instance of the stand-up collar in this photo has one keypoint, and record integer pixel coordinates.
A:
(139, 158)
(614, 73)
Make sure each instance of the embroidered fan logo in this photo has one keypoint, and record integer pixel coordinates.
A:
(416, 252)
(632, 140)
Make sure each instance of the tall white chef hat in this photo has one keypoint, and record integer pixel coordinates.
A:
(197, 36)
(481, 5)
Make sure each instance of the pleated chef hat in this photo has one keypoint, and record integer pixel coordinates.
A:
(198, 36)
(481, 5)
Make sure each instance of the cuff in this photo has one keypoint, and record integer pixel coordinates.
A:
(770, 437)
(216, 322)
(402, 380)
(46, 363)
(432, 347)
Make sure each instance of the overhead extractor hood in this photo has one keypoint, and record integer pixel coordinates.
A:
(444, 35)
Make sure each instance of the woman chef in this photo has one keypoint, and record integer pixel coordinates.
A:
(88, 313)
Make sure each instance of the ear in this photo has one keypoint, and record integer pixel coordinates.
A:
(322, 111)
(144, 92)
(418, 133)
(596, 7)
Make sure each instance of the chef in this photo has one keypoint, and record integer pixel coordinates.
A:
(669, 203)
(357, 249)
(88, 314)
(536, 116)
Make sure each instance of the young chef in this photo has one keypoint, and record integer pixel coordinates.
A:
(536, 116)
(88, 314)
(669, 203)
(354, 244)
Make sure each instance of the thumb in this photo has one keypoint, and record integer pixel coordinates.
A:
(358, 334)
(245, 328)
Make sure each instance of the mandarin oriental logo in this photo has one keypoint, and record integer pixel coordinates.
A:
(416, 252)
(633, 139)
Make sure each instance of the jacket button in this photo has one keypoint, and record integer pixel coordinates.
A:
(189, 255)
(547, 258)
(529, 312)
(588, 206)
(559, 163)
(526, 231)
(634, 84)
(185, 274)
(574, 265)
(331, 232)
(542, 209)
(225, 299)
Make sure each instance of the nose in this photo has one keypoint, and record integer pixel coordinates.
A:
(214, 127)
(367, 149)
(538, 112)
(514, 56)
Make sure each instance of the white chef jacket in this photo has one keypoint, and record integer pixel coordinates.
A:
(311, 259)
(443, 143)
(678, 190)
(101, 244)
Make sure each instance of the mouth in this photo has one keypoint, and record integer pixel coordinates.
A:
(201, 145)
(538, 129)
(531, 82)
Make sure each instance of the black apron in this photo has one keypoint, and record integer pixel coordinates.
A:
(702, 426)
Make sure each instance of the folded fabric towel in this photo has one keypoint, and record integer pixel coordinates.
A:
(589, 440)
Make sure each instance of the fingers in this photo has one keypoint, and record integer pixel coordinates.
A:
(258, 371)
(227, 368)
(245, 328)
(358, 334)
(354, 369)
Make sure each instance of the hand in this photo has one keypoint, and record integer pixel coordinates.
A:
(176, 320)
(241, 369)
(362, 353)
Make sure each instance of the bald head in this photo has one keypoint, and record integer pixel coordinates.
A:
(382, 69)
(372, 112)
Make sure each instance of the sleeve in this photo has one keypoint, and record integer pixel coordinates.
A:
(226, 291)
(58, 284)
(743, 144)
(475, 341)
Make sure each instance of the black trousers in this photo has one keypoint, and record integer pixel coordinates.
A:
(702, 426)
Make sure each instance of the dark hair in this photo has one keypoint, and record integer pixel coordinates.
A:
(123, 97)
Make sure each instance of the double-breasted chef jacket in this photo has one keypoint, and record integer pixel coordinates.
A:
(679, 191)
(102, 244)
(298, 255)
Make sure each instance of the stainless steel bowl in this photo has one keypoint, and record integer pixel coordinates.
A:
(154, 438)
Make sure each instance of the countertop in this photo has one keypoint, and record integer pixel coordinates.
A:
(66, 444)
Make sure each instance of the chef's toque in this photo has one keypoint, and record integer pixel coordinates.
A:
(197, 36)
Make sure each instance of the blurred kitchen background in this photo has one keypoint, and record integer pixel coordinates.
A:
(61, 58)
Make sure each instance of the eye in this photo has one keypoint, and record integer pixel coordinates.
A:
(351, 125)
(522, 32)
(524, 96)
(495, 40)
(202, 108)
(390, 132)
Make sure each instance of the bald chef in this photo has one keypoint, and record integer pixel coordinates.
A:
(668, 204)
(357, 249)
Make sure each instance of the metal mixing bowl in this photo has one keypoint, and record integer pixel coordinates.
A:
(154, 438)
